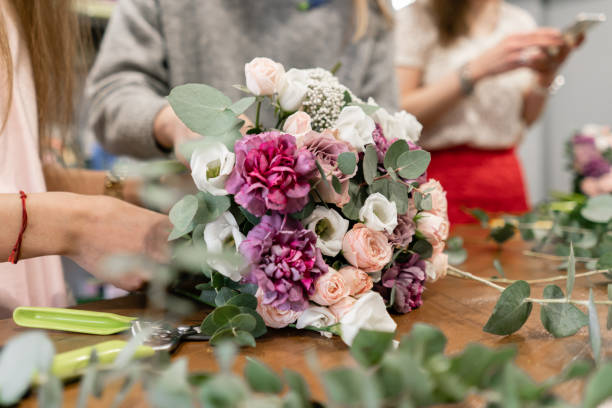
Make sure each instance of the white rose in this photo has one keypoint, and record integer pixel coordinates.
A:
(436, 267)
(211, 165)
(317, 316)
(370, 313)
(292, 90)
(355, 127)
(221, 235)
(401, 125)
(330, 228)
(263, 76)
(378, 213)
(298, 125)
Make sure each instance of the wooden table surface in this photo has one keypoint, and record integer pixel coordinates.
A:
(459, 307)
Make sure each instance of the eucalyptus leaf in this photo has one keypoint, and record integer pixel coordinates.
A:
(336, 185)
(370, 164)
(182, 213)
(367, 108)
(369, 346)
(412, 164)
(345, 386)
(423, 342)
(260, 327)
(605, 261)
(243, 338)
(347, 163)
(599, 388)
(561, 319)
(297, 384)
(225, 391)
(457, 256)
(571, 272)
(210, 207)
(423, 248)
(261, 378)
(243, 321)
(179, 233)
(481, 216)
(51, 393)
(322, 173)
(511, 310)
(499, 268)
(594, 330)
(221, 336)
(357, 196)
(503, 234)
(598, 209)
(243, 299)
(224, 295)
(242, 105)
(398, 148)
(171, 388)
(226, 356)
(223, 314)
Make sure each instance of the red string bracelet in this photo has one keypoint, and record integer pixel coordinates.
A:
(14, 257)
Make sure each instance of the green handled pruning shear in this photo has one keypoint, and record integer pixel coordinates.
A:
(71, 363)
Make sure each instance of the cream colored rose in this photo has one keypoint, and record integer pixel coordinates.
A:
(342, 307)
(274, 317)
(436, 267)
(401, 125)
(357, 281)
(378, 213)
(330, 288)
(293, 89)
(298, 125)
(433, 227)
(355, 127)
(366, 249)
(263, 76)
(369, 312)
(330, 228)
(439, 203)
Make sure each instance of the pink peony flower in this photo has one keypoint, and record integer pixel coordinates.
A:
(271, 174)
(274, 317)
(330, 288)
(326, 148)
(357, 281)
(285, 261)
(366, 249)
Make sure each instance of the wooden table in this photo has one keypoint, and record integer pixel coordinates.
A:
(459, 307)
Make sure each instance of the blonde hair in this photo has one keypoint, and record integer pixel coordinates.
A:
(362, 16)
(50, 32)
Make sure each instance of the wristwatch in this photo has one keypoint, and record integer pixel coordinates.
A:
(465, 80)
(113, 185)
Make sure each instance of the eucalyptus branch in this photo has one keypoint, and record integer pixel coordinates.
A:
(452, 271)
(386, 176)
(552, 279)
(552, 257)
(565, 300)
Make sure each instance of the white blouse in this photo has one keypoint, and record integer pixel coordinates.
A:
(491, 117)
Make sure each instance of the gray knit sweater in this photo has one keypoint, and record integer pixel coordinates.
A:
(153, 45)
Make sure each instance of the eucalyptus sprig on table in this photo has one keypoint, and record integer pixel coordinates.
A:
(416, 372)
(559, 313)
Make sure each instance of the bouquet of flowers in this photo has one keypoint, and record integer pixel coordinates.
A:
(590, 151)
(330, 209)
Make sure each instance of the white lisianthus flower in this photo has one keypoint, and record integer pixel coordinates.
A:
(378, 213)
(211, 165)
(355, 127)
(293, 89)
(401, 125)
(330, 228)
(317, 316)
(369, 312)
(221, 235)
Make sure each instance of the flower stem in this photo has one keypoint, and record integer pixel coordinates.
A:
(552, 279)
(452, 271)
(551, 257)
(257, 114)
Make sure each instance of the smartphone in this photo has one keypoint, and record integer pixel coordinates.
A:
(584, 22)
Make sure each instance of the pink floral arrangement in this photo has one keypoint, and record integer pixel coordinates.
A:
(591, 154)
(330, 208)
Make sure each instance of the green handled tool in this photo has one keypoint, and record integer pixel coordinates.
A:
(71, 363)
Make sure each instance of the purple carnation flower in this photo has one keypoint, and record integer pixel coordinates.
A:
(408, 279)
(271, 173)
(285, 261)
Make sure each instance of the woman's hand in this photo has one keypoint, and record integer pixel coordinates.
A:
(105, 226)
(516, 51)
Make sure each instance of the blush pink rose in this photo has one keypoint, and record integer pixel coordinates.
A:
(342, 307)
(298, 125)
(365, 249)
(274, 317)
(436, 267)
(433, 227)
(330, 288)
(357, 281)
(438, 197)
(263, 76)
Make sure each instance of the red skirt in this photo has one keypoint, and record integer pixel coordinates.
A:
(491, 180)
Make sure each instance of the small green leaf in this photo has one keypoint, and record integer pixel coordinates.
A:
(456, 257)
(261, 378)
(250, 217)
(571, 272)
(347, 95)
(358, 196)
(481, 216)
(223, 314)
(503, 234)
(423, 202)
(392, 174)
(369, 346)
(367, 109)
(244, 338)
(605, 261)
(370, 164)
(511, 310)
(499, 268)
(337, 185)
(423, 248)
(260, 327)
(305, 212)
(347, 163)
(599, 387)
(226, 355)
(423, 342)
(179, 233)
(394, 152)
(210, 207)
(594, 331)
(221, 336)
(561, 319)
(598, 209)
(243, 300)
(242, 105)
(182, 213)
(345, 386)
(243, 321)
(297, 384)
(224, 295)
(412, 164)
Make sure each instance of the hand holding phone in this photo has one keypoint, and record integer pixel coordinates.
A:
(584, 22)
